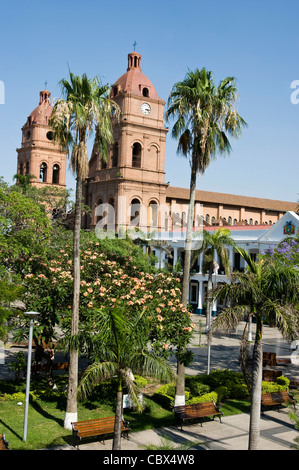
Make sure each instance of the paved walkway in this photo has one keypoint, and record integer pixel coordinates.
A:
(277, 433)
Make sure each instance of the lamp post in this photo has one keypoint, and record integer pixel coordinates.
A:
(32, 316)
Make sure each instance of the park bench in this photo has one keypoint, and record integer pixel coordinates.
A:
(96, 428)
(185, 413)
(3, 442)
(270, 359)
(276, 399)
(271, 375)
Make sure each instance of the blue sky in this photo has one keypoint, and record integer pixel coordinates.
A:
(256, 41)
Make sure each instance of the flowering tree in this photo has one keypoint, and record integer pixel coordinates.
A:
(287, 252)
(108, 277)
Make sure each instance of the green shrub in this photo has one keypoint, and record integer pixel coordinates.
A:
(166, 393)
(195, 386)
(233, 381)
(282, 380)
(237, 390)
(18, 365)
(18, 396)
(222, 392)
(212, 396)
(271, 387)
(141, 382)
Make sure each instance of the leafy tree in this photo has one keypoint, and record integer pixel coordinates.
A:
(266, 291)
(216, 242)
(9, 293)
(24, 226)
(24, 181)
(213, 243)
(85, 109)
(120, 349)
(111, 271)
(205, 115)
(286, 253)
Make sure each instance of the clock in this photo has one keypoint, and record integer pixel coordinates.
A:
(145, 109)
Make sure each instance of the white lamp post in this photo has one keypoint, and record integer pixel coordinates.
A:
(32, 316)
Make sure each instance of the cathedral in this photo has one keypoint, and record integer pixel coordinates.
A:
(129, 190)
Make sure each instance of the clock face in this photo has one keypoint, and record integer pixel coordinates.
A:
(145, 108)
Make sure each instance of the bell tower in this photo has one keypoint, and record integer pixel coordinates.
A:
(132, 181)
(39, 155)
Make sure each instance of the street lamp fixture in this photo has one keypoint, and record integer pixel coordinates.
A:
(32, 316)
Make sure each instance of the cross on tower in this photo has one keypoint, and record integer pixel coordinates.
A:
(134, 44)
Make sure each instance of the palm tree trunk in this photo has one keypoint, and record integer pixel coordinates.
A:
(255, 412)
(71, 409)
(118, 417)
(180, 385)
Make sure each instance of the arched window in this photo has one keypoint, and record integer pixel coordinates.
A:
(250, 221)
(153, 214)
(213, 220)
(28, 168)
(43, 173)
(145, 92)
(235, 221)
(55, 174)
(136, 155)
(114, 159)
(114, 90)
(103, 164)
(207, 218)
(135, 213)
(21, 168)
(229, 220)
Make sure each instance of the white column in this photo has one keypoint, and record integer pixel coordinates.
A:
(199, 303)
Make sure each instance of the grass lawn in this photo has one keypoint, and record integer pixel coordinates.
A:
(46, 414)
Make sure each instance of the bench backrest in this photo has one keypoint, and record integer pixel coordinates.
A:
(94, 422)
(207, 405)
(98, 423)
(276, 396)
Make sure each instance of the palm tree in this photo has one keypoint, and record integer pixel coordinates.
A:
(85, 109)
(214, 243)
(24, 181)
(205, 116)
(266, 291)
(119, 348)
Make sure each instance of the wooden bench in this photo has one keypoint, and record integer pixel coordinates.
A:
(277, 399)
(270, 375)
(3, 442)
(270, 359)
(185, 413)
(96, 427)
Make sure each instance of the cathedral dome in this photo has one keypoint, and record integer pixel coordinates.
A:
(42, 113)
(134, 81)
